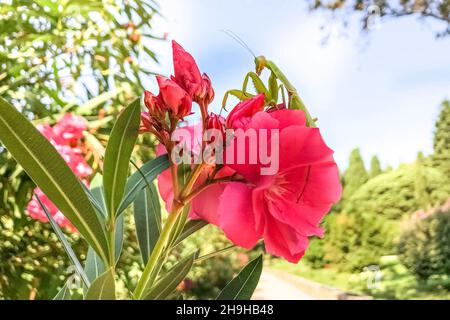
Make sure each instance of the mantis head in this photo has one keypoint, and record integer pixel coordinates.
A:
(260, 64)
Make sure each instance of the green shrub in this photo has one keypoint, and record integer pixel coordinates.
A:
(392, 195)
(33, 261)
(424, 246)
(370, 222)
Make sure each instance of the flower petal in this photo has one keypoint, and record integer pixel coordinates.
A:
(236, 217)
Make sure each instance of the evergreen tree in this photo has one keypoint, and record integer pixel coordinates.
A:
(375, 167)
(356, 174)
(420, 183)
(441, 157)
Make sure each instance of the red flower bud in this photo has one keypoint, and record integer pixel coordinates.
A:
(174, 98)
(187, 74)
(154, 105)
(207, 92)
(146, 123)
(215, 122)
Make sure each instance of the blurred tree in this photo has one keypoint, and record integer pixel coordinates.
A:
(424, 246)
(370, 221)
(82, 56)
(441, 156)
(421, 184)
(371, 10)
(375, 167)
(57, 55)
(355, 175)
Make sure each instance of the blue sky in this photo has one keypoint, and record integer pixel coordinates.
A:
(380, 92)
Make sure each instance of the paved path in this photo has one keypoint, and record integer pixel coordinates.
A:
(273, 287)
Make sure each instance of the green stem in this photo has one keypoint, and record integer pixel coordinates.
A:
(157, 252)
(112, 243)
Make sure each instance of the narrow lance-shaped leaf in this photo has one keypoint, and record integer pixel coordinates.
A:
(94, 266)
(244, 284)
(72, 256)
(136, 182)
(97, 195)
(117, 155)
(169, 281)
(50, 172)
(191, 227)
(64, 293)
(147, 217)
(103, 288)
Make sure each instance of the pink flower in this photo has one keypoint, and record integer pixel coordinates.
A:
(174, 97)
(47, 131)
(243, 112)
(70, 128)
(285, 208)
(65, 137)
(188, 76)
(36, 212)
(201, 207)
(75, 160)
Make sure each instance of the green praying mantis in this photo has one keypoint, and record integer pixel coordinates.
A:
(278, 84)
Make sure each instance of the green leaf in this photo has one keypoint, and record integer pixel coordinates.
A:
(72, 256)
(147, 217)
(95, 203)
(190, 227)
(94, 266)
(64, 293)
(136, 182)
(103, 288)
(244, 284)
(168, 282)
(117, 155)
(179, 225)
(120, 228)
(50, 172)
(98, 196)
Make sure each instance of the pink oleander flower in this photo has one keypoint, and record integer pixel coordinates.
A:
(35, 211)
(284, 208)
(65, 137)
(70, 128)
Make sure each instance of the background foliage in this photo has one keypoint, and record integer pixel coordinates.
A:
(388, 218)
(85, 57)
(425, 9)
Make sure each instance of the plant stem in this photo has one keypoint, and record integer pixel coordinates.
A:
(157, 251)
(112, 243)
(192, 179)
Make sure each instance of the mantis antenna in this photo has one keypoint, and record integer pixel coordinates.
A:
(239, 40)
